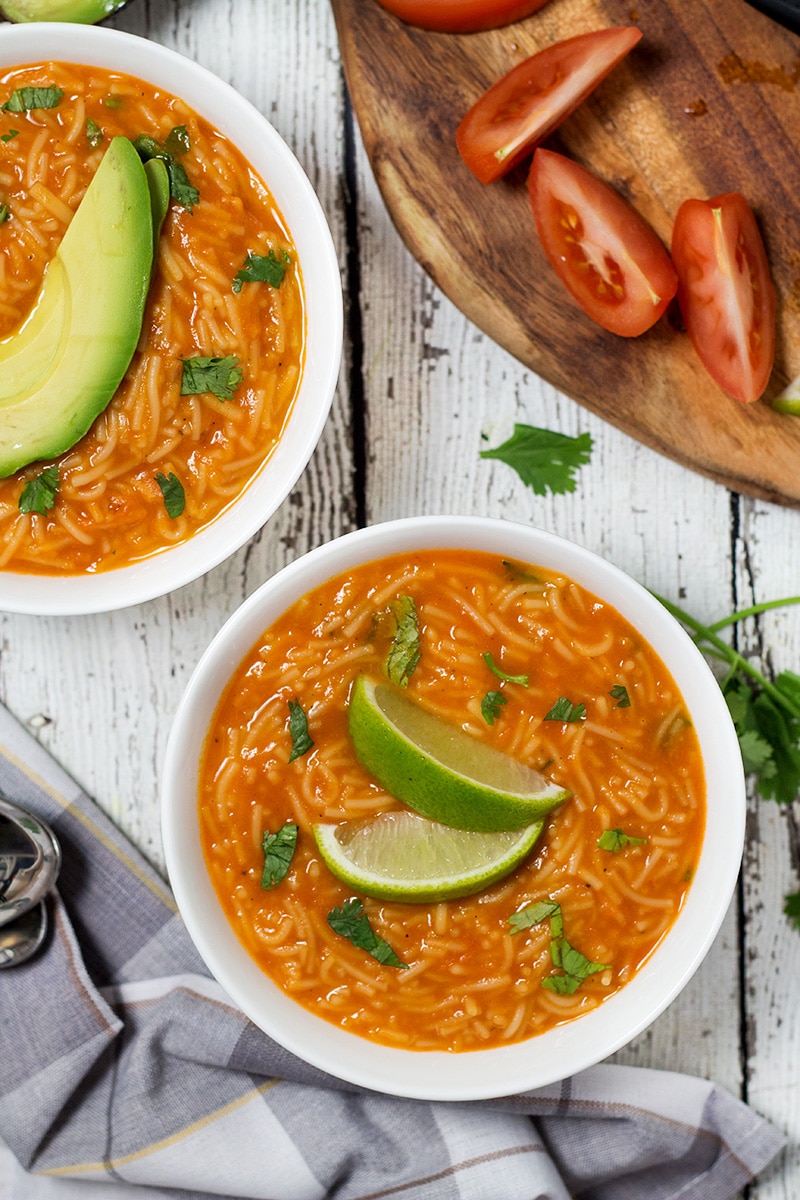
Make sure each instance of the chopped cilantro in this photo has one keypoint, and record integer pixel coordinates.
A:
(114, 101)
(9, 137)
(545, 461)
(173, 493)
(353, 923)
(278, 853)
(492, 705)
(534, 914)
(220, 376)
(404, 652)
(94, 134)
(565, 710)
(493, 667)
(175, 144)
(39, 494)
(620, 693)
(615, 840)
(262, 268)
(26, 98)
(298, 730)
(576, 966)
(5, 213)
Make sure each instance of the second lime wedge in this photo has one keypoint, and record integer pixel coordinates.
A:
(439, 770)
(402, 856)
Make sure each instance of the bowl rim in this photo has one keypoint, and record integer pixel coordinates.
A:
(436, 1075)
(238, 119)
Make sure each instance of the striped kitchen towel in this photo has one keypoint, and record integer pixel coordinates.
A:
(126, 1073)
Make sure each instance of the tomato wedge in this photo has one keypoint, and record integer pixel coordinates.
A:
(726, 293)
(604, 252)
(461, 16)
(519, 111)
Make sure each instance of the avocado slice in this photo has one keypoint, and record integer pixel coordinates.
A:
(84, 12)
(59, 370)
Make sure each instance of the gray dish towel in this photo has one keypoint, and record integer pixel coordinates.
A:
(123, 1063)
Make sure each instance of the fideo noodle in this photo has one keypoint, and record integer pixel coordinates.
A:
(109, 508)
(471, 982)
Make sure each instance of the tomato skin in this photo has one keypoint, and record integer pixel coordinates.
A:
(606, 255)
(527, 104)
(726, 293)
(461, 16)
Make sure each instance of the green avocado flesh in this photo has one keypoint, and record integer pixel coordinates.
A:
(59, 370)
(84, 12)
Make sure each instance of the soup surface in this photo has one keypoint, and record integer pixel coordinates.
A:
(110, 508)
(630, 757)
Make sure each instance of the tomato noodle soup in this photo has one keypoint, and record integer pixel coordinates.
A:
(631, 759)
(109, 509)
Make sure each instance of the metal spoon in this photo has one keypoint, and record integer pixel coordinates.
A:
(22, 938)
(30, 859)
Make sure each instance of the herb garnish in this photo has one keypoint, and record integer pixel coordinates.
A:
(278, 850)
(615, 840)
(9, 137)
(493, 667)
(565, 710)
(576, 966)
(174, 145)
(220, 376)
(404, 652)
(173, 493)
(791, 908)
(492, 705)
(26, 98)
(545, 461)
(39, 494)
(298, 730)
(5, 213)
(620, 693)
(94, 134)
(262, 268)
(353, 923)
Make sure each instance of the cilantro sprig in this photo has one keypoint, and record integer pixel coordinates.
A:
(278, 849)
(173, 493)
(39, 494)
(545, 461)
(353, 923)
(219, 376)
(576, 967)
(488, 658)
(25, 98)
(492, 706)
(175, 144)
(564, 710)
(615, 840)
(263, 268)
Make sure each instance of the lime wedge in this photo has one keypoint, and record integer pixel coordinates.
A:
(402, 856)
(439, 770)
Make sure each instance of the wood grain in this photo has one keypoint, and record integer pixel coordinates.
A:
(707, 102)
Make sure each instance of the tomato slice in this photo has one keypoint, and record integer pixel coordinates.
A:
(461, 16)
(519, 111)
(725, 292)
(604, 252)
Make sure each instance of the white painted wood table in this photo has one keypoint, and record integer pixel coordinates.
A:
(420, 389)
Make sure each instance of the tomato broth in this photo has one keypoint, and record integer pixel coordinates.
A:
(629, 756)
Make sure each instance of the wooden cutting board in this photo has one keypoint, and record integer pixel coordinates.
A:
(708, 102)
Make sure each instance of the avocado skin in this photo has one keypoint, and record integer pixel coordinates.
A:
(60, 369)
(81, 12)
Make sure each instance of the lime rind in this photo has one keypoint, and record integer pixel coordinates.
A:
(439, 770)
(405, 857)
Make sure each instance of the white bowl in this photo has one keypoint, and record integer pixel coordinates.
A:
(276, 164)
(549, 1056)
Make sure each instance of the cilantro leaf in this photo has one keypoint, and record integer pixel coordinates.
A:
(492, 706)
(278, 850)
(534, 914)
(173, 493)
(791, 908)
(94, 134)
(220, 376)
(298, 730)
(175, 144)
(181, 190)
(545, 461)
(493, 667)
(8, 137)
(39, 494)
(404, 652)
(262, 268)
(353, 923)
(615, 840)
(5, 213)
(565, 710)
(25, 98)
(620, 693)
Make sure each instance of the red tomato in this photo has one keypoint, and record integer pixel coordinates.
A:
(529, 102)
(461, 16)
(604, 252)
(725, 292)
